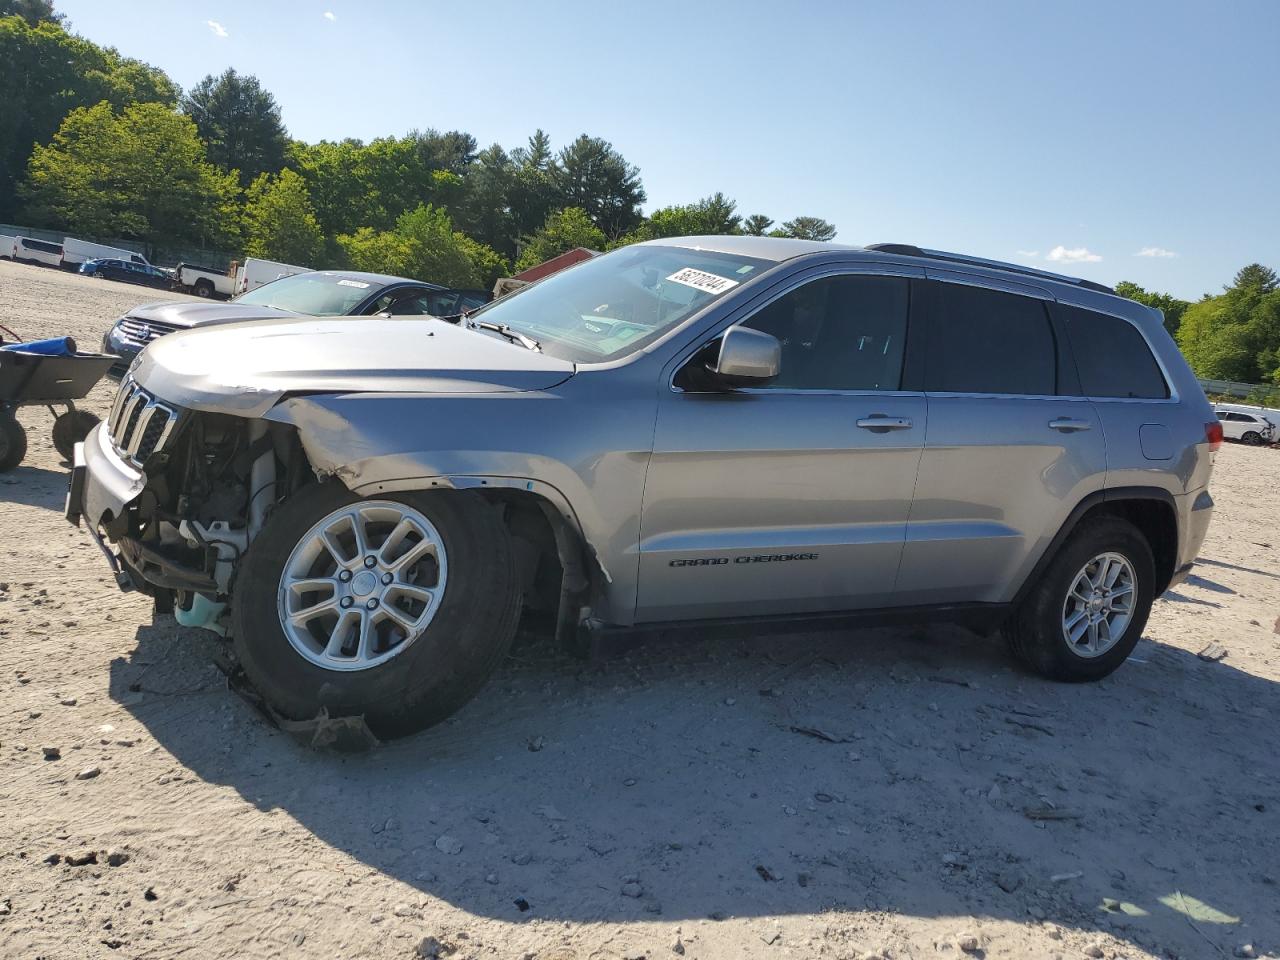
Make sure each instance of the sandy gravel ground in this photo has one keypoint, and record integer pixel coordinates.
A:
(660, 804)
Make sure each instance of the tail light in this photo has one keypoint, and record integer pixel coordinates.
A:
(1213, 435)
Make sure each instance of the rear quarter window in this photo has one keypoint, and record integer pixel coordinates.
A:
(1112, 356)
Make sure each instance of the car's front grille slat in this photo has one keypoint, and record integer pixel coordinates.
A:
(139, 424)
(141, 332)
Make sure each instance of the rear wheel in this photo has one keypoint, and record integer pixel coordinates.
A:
(397, 609)
(71, 428)
(203, 288)
(13, 442)
(1085, 615)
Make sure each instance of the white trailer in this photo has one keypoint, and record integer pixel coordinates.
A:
(6, 246)
(76, 252)
(256, 272)
(205, 281)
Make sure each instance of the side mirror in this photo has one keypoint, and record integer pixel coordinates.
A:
(748, 358)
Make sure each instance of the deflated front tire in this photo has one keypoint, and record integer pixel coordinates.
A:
(393, 608)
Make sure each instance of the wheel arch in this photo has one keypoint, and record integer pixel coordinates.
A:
(1151, 509)
(541, 516)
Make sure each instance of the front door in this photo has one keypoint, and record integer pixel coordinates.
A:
(790, 498)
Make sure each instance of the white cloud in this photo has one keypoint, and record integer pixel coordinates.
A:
(1155, 252)
(1029, 253)
(217, 29)
(1062, 254)
(330, 16)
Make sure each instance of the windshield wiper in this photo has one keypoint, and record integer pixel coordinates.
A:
(515, 336)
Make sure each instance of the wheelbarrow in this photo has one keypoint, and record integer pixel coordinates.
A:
(48, 374)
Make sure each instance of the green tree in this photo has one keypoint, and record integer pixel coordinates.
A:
(45, 73)
(591, 175)
(330, 169)
(756, 225)
(1255, 277)
(141, 173)
(32, 11)
(485, 212)
(240, 124)
(1169, 305)
(807, 228)
(710, 216)
(357, 184)
(564, 230)
(279, 221)
(532, 192)
(1236, 335)
(425, 246)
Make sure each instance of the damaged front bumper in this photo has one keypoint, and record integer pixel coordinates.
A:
(101, 485)
(103, 488)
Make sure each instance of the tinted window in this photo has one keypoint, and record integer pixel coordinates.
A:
(984, 341)
(839, 333)
(1112, 357)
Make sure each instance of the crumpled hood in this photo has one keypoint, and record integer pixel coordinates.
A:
(190, 313)
(245, 368)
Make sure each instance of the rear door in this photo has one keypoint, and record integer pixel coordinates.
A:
(790, 498)
(1009, 450)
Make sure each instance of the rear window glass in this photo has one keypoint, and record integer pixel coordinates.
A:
(984, 341)
(1112, 357)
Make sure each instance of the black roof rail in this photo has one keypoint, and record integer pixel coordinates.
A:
(910, 250)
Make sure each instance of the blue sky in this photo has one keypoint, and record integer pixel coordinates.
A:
(1076, 136)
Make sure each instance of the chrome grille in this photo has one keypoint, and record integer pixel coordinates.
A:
(139, 424)
(139, 332)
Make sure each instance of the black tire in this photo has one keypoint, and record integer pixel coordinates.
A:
(71, 428)
(1252, 437)
(13, 442)
(440, 671)
(1035, 633)
(203, 288)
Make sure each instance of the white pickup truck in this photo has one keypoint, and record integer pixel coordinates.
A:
(205, 281)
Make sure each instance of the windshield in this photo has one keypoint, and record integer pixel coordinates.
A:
(315, 294)
(613, 305)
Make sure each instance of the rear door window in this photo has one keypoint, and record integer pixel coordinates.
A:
(1112, 356)
(988, 342)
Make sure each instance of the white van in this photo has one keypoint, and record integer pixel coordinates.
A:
(256, 272)
(6, 246)
(31, 250)
(76, 252)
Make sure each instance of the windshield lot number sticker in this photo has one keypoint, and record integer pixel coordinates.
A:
(353, 283)
(701, 280)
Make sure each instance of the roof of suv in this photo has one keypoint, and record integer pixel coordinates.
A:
(780, 248)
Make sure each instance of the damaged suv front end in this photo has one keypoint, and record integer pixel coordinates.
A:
(206, 437)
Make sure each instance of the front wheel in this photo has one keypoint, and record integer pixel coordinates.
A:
(1252, 437)
(1085, 615)
(397, 608)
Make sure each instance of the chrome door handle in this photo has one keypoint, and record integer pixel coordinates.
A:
(880, 423)
(1068, 425)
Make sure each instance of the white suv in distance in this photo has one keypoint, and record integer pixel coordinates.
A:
(1250, 428)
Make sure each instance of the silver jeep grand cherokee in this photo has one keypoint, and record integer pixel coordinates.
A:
(703, 429)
